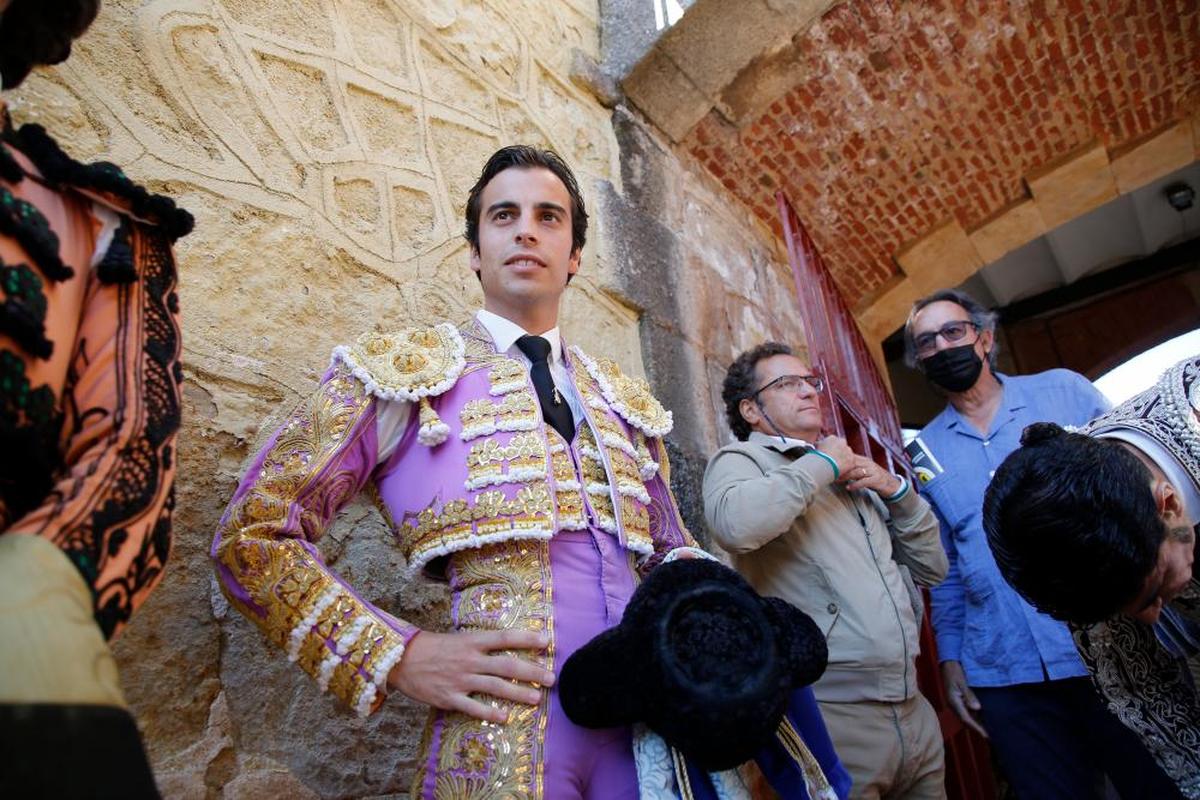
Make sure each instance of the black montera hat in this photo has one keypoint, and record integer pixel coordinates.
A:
(701, 659)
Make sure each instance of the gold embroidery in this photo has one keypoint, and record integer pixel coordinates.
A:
(624, 468)
(593, 471)
(664, 462)
(459, 524)
(507, 375)
(518, 411)
(571, 514)
(647, 466)
(526, 449)
(562, 468)
(522, 460)
(635, 518)
(293, 597)
(501, 587)
(407, 364)
(629, 397)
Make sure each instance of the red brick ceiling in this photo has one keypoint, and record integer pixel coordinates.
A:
(906, 113)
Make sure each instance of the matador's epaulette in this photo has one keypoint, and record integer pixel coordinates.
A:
(412, 364)
(630, 397)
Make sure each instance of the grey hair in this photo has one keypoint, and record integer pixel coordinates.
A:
(983, 317)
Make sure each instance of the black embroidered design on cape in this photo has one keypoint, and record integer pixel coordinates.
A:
(136, 477)
(23, 310)
(119, 513)
(29, 227)
(29, 426)
(59, 169)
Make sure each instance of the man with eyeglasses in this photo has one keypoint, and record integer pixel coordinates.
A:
(1011, 673)
(833, 533)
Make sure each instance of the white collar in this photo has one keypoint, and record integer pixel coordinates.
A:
(505, 333)
(782, 444)
(1174, 472)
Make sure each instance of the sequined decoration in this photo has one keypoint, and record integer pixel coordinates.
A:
(293, 597)
(497, 587)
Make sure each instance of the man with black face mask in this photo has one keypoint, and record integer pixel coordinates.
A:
(1011, 673)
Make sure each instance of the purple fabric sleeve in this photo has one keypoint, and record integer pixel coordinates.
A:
(265, 550)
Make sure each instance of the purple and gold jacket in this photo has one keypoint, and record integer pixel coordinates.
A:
(475, 466)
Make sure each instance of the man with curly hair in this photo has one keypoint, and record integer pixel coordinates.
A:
(833, 533)
(89, 409)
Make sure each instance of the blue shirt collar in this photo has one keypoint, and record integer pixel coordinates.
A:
(1012, 400)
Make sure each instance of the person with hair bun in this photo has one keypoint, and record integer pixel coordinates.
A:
(90, 378)
(1097, 527)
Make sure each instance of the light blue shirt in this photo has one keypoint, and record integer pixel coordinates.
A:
(978, 618)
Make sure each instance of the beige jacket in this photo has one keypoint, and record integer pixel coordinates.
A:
(843, 558)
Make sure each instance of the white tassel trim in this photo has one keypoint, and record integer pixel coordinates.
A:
(519, 475)
(325, 673)
(568, 486)
(486, 428)
(599, 488)
(619, 442)
(643, 550)
(475, 431)
(296, 638)
(369, 691)
(678, 552)
(433, 435)
(366, 699)
(635, 491)
(384, 667)
(610, 526)
(471, 542)
(606, 389)
(597, 403)
(572, 523)
(648, 470)
(591, 452)
(517, 425)
(342, 353)
(353, 633)
(506, 388)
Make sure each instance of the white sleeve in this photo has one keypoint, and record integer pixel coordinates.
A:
(391, 419)
(109, 222)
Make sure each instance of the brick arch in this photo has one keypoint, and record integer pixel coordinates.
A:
(919, 141)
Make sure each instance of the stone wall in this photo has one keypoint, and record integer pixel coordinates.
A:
(326, 149)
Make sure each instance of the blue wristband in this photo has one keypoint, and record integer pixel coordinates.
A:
(832, 463)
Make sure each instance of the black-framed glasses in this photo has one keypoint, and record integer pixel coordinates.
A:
(926, 343)
(792, 383)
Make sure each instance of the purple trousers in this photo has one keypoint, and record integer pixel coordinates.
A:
(593, 580)
(577, 585)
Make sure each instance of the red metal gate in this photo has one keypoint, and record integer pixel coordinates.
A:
(859, 408)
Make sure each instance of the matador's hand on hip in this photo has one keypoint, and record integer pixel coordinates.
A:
(444, 669)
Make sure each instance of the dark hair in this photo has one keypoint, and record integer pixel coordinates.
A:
(524, 157)
(739, 383)
(34, 32)
(983, 317)
(1072, 523)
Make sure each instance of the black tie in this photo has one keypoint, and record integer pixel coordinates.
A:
(554, 409)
